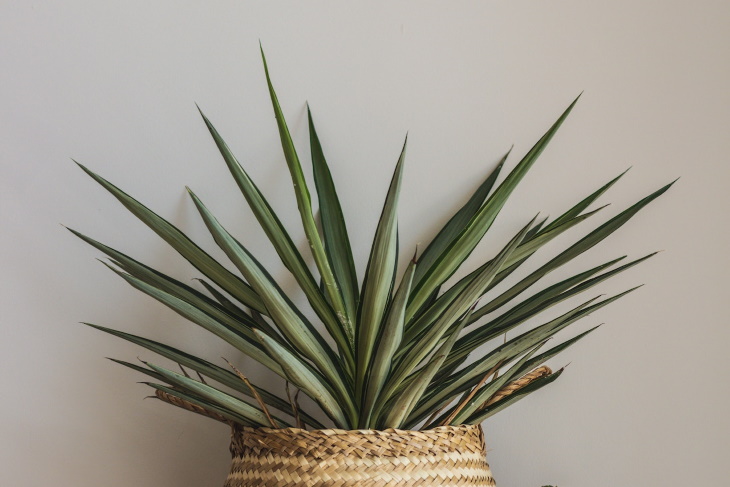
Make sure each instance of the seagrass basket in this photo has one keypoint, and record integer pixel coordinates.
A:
(444, 456)
(447, 456)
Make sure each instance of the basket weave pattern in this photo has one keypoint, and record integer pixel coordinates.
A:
(445, 456)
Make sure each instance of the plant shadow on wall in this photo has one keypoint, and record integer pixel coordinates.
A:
(403, 354)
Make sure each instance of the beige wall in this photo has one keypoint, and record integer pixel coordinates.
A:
(113, 84)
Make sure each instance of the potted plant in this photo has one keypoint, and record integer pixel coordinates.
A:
(398, 382)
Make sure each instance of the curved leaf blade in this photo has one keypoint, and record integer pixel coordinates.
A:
(226, 401)
(183, 245)
(210, 370)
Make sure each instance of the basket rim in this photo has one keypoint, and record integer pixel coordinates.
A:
(344, 432)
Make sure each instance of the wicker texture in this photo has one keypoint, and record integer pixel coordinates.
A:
(518, 384)
(181, 403)
(446, 456)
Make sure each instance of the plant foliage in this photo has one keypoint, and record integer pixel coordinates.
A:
(405, 351)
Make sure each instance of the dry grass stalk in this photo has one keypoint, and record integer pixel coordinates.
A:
(468, 398)
(295, 406)
(255, 393)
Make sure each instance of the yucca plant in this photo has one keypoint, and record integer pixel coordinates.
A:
(408, 350)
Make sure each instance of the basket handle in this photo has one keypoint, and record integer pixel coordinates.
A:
(516, 385)
(182, 403)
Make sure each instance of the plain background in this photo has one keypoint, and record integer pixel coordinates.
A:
(113, 84)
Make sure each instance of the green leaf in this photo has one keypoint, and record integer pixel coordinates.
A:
(492, 387)
(470, 375)
(533, 306)
(464, 244)
(553, 295)
(212, 371)
(311, 382)
(567, 255)
(420, 380)
(583, 204)
(415, 352)
(528, 309)
(438, 305)
(238, 337)
(138, 368)
(388, 343)
(403, 405)
(458, 222)
(304, 203)
(229, 305)
(379, 277)
(226, 413)
(545, 356)
(535, 230)
(295, 327)
(584, 244)
(528, 247)
(513, 398)
(540, 297)
(231, 315)
(183, 245)
(334, 229)
(283, 244)
(226, 401)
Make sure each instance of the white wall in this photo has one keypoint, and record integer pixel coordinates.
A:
(113, 84)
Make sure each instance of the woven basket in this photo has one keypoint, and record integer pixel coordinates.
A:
(444, 456)
(291, 457)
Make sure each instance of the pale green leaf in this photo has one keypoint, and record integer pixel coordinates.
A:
(212, 371)
(250, 412)
(289, 320)
(387, 345)
(299, 373)
(379, 277)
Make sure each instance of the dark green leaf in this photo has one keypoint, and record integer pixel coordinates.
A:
(334, 229)
(462, 246)
(458, 222)
(181, 243)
